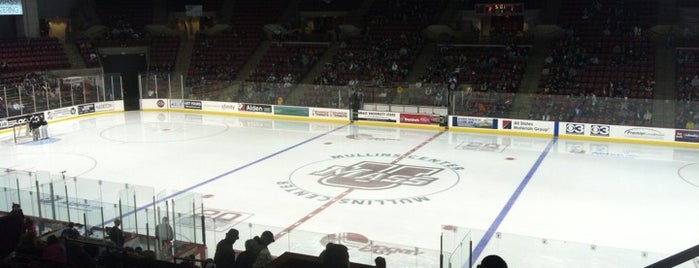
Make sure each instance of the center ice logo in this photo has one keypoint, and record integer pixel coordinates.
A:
(373, 178)
(368, 175)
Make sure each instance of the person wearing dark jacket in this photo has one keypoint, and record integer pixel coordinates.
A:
(225, 256)
(247, 258)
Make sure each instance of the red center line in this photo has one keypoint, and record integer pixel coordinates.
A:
(348, 191)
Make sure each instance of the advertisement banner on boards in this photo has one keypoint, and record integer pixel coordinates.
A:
(17, 120)
(86, 108)
(423, 119)
(177, 104)
(527, 125)
(105, 106)
(291, 110)
(329, 113)
(377, 116)
(686, 135)
(617, 131)
(61, 113)
(474, 122)
(192, 104)
(255, 108)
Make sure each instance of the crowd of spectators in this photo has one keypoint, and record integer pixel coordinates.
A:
(687, 69)
(21, 97)
(687, 84)
(604, 55)
(379, 61)
(384, 53)
(493, 72)
(283, 66)
(592, 109)
(71, 245)
(603, 61)
(17, 57)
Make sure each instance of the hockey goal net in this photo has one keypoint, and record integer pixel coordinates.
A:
(22, 133)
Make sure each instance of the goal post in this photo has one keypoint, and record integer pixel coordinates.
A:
(32, 128)
(22, 133)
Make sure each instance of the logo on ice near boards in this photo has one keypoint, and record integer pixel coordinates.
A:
(363, 244)
(374, 178)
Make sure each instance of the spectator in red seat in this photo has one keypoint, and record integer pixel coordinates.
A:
(53, 251)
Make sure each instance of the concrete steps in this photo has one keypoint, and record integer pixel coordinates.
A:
(74, 57)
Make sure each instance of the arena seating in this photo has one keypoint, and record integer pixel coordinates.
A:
(495, 67)
(687, 70)
(220, 56)
(22, 56)
(490, 70)
(687, 83)
(604, 52)
(288, 58)
(163, 50)
(163, 53)
(286, 64)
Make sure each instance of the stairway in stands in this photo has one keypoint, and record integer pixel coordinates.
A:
(664, 110)
(184, 57)
(74, 57)
(532, 74)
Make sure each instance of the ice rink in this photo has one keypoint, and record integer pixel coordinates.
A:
(399, 186)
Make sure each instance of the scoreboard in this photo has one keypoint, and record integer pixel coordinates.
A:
(10, 7)
(501, 9)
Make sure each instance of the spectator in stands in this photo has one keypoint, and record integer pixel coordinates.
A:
(29, 245)
(224, 257)
(335, 256)
(188, 262)
(380, 262)
(53, 251)
(164, 234)
(246, 259)
(209, 263)
(29, 225)
(689, 124)
(70, 232)
(16, 209)
(648, 116)
(264, 257)
(11, 235)
(116, 235)
(492, 261)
